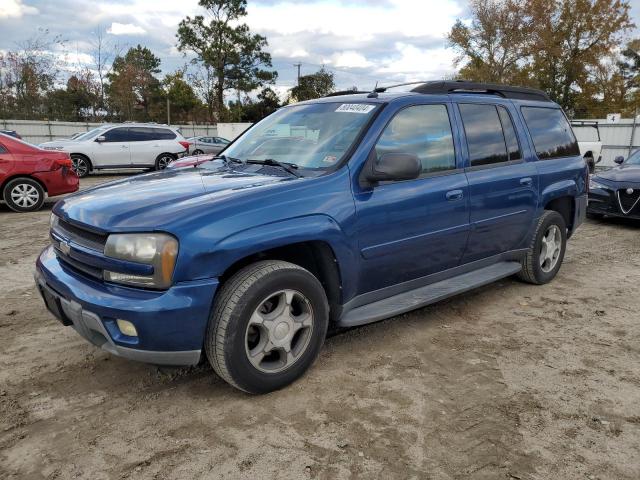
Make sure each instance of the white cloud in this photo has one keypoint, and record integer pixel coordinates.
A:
(125, 29)
(15, 9)
(350, 59)
(413, 63)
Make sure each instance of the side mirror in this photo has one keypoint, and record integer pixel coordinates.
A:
(101, 139)
(394, 166)
(619, 160)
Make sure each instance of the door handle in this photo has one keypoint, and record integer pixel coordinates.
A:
(454, 195)
(527, 181)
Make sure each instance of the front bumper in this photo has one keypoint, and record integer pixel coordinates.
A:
(605, 202)
(171, 324)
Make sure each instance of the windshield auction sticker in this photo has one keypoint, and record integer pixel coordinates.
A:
(355, 108)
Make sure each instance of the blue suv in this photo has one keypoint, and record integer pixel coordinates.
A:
(334, 212)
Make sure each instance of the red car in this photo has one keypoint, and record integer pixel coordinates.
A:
(29, 174)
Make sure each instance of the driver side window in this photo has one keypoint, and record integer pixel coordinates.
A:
(117, 135)
(422, 130)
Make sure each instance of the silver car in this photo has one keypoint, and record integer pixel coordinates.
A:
(126, 145)
(201, 145)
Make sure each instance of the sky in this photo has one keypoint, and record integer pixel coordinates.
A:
(361, 41)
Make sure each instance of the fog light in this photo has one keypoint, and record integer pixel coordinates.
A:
(127, 328)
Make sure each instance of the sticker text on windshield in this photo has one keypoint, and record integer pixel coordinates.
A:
(355, 108)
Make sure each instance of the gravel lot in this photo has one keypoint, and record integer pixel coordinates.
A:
(511, 381)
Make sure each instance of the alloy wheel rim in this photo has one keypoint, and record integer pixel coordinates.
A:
(79, 166)
(25, 195)
(550, 249)
(279, 331)
(164, 161)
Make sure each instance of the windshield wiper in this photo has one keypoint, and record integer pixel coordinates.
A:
(286, 166)
(227, 159)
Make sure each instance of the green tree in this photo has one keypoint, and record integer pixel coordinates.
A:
(233, 57)
(253, 111)
(134, 91)
(181, 96)
(312, 86)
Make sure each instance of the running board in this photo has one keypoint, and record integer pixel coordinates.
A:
(420, 297)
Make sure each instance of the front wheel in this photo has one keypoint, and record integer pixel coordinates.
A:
(80, 165)
(546, 252)
(267, 327)
(198, 152)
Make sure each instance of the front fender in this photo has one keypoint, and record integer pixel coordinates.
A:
(248, 242)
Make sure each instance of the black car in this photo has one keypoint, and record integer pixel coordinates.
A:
(12, 133)
(616, 192)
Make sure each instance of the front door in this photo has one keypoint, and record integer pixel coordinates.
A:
(113, 151)
(410, 229)
(502, 185)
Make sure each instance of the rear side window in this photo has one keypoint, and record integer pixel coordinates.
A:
(2, 149)
(425, 131)
(163, 134)
(510, 136)
(551, 133)
(483, 129)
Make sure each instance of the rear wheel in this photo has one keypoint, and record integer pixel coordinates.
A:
(81, 165)
(23, 195)
(164, 160)
(198, 152)
(546, 252)
(267, 327)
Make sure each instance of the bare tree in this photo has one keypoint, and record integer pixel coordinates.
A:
(104, 52)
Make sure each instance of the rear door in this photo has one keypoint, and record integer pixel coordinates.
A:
(113, 151)
(410, 229)
(145, 146)
(503, 185)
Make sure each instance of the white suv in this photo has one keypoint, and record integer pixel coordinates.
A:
(129, 145)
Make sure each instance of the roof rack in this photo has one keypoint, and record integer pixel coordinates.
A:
(462, 86)
(505, 91)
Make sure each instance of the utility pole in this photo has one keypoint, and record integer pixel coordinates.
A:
(298, 65)
(168, 111)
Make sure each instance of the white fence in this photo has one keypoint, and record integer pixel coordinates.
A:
(36, 132)
(616, 138)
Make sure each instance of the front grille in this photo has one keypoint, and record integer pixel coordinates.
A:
(628, 201)
(80, 236)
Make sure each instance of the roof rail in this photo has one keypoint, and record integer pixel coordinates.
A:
(462, 86)
(343, 92)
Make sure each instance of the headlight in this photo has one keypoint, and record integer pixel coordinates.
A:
(53, 221)
(593, 184)
(157, 249)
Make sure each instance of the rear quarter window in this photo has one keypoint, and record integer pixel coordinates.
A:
(551, 133)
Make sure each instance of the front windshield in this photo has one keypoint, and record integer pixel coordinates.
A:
(634, 159)
(313, 136)
(91, 134)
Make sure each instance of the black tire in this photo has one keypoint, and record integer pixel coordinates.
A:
(591, 163)
(532, 271)
(237, 300)
(197, 151)
(163, 160)
(81, 165)
(23, 195)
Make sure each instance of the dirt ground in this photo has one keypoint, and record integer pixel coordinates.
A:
(511, 381)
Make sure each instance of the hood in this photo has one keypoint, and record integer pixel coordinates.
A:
(623, 173)
(158, 200)
(56, 143)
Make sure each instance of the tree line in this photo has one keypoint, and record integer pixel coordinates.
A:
(121, 84)
(575, 50)
(578, 51)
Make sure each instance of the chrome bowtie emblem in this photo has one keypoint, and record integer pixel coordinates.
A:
(630, 191)
(65, 247)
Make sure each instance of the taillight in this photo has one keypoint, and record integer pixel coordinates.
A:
(185, 144)
(61, 163)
